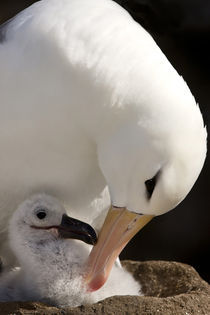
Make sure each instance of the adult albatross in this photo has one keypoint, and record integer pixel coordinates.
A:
(89, 101)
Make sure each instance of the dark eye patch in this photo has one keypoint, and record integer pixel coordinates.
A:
(150, 185)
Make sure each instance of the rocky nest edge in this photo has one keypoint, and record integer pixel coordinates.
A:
(170, 288)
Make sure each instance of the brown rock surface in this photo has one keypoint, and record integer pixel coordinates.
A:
(170, 288)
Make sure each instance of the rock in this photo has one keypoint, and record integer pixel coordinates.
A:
(170, 288)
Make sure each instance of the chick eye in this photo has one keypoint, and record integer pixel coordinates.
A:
(150, 186)
(41, 214)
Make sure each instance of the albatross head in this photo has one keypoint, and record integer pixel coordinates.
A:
(149, 168)
(42, 219)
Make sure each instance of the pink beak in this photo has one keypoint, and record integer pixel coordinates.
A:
(119, 227)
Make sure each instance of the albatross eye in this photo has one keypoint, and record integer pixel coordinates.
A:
(150, 186)
(41, 214)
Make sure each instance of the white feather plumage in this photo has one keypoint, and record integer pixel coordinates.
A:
(51, 268)
(89, 100)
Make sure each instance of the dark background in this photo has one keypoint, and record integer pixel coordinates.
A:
(182, 30)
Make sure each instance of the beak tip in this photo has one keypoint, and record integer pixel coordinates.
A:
(90, 241)
(91, 237)
(96, 283)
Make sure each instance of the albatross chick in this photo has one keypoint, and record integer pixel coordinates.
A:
(47, 244)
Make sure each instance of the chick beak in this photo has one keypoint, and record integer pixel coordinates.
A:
(75, 229)
(119, 227)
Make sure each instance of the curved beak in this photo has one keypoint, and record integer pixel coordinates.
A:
(73, 228)
(119, 227)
